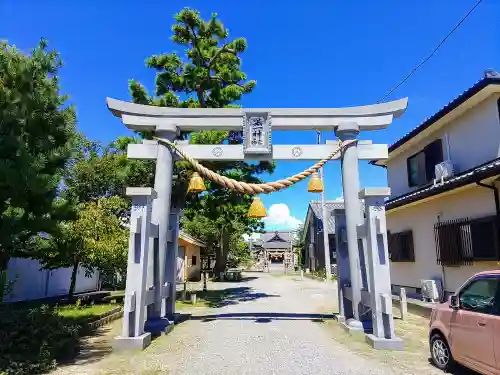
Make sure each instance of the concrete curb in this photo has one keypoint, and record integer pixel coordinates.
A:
(105, 318)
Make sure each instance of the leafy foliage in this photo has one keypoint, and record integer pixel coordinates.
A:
(32, 340)
(37, 129)
(96, 171)
(239, 253)
(299, 244)
(211, 77)
(96, 240)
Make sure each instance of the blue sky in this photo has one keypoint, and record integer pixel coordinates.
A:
(315, 53)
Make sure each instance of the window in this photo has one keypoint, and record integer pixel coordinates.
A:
(480, 296)
(401, 246)
(421, 165)
(484, 235)
(461, 241)
(193, 260)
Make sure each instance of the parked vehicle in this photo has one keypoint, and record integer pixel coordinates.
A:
(466, 329)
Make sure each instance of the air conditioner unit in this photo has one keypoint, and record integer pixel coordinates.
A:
(430, 290)
(443, 170)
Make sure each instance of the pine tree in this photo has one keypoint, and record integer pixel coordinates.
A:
(209, 76)
(36, 130)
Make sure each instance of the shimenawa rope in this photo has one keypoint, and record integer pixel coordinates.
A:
(249, 188)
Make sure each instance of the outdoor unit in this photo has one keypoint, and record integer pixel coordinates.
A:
(430, 290)
(443, 170)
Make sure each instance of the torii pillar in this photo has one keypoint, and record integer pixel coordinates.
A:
(350, 184)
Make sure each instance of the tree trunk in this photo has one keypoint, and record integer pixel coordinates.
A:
(72, 285)
(222, 254)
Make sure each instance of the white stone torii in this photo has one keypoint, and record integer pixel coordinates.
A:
(257, 126)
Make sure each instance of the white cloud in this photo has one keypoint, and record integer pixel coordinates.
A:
(278, 217)
(341, 198)
(255, 236)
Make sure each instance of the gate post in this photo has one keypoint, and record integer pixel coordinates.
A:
(171, 263)
(161, 216)
(136, 294)
(350, 184)
(383, 336)
(343, 270)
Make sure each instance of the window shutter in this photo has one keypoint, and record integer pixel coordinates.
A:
(394, 246)
(409, 248)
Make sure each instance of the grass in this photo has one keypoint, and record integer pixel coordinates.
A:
(90, 312)
(414, 331)
(209, 298)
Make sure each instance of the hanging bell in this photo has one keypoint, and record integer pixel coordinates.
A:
(196, 184)
(257, 209)
(315, 184)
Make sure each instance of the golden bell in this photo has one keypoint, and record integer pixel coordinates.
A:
(257, 209)
(315, 184)
(196, 184)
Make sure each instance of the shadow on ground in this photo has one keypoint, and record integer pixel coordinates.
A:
(458, 370)
(225, 297)
(92, 347)
(264, 317)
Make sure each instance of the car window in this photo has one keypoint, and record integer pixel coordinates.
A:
(480, 296)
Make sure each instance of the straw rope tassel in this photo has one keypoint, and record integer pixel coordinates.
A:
(248, 188)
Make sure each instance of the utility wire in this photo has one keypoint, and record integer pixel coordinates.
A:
(432, 53)
(458, 59)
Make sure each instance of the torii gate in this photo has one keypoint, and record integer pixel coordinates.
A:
(151, 272)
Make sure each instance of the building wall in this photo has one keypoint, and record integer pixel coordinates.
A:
(31, 282)
(472, 202)
(315, 259)
(193, 271)
(308, 260)
(468, 147)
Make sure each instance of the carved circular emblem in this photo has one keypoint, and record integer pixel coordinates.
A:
(217, 152)
(296, 151)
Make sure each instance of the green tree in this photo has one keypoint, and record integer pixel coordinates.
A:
(37, 129)
(96, 240)
(209, 76)
(299, 244)
(96, 171)
(97, 174)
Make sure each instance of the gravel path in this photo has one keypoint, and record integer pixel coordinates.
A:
(269, 326)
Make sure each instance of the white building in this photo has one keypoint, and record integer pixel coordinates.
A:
(447, 229)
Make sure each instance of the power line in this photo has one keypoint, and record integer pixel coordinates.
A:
(432, 53)
(458, 59)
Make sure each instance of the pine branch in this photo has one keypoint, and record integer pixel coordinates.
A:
(219, 52)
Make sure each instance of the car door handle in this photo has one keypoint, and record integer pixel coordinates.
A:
(481, 324)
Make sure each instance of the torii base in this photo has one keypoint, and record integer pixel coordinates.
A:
(159, 326)
(353, 327)
(132, 343)
(378, 343)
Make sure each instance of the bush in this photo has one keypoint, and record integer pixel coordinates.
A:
(319, 274)
(33, 340)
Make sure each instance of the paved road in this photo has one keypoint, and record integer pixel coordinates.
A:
(268, 325)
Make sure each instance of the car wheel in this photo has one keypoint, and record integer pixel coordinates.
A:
(441, 353)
